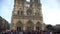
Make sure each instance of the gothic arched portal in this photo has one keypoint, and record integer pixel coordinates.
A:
(29, 25)
(19, 25)
(38, 26)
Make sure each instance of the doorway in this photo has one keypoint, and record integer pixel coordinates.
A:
(19, 28)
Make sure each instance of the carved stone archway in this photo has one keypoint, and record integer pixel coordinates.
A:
(38, 26)
(19, 25)
(29, 25)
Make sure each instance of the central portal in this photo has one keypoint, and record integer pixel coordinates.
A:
(19, 25)
(19, 28)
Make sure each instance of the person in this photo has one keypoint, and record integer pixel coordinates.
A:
(11, 31)
(20, 32)
(17, 32)
(3, 32)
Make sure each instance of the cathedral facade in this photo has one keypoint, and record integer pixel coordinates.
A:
(27, 15)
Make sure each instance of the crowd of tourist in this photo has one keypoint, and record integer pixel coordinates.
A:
(24, 32)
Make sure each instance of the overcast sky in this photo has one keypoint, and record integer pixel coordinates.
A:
(50, 10)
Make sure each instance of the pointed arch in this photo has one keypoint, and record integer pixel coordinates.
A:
(29, 25)
(19, 25)
(38, 25)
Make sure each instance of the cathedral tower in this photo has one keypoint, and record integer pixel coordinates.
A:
(27, 15)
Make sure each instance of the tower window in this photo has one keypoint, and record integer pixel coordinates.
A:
(28, 0)
(33, 0)
(20, 13)
(37, 13)
(28, 5)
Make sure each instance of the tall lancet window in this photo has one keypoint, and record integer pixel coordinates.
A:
(20, 13)
(37, 13)
(28, 0)
(32, 0)
(28, 5)
(38, 1)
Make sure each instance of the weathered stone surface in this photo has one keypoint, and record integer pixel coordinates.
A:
(32, 14)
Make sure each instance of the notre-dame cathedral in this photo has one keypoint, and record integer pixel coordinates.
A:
(27, 15)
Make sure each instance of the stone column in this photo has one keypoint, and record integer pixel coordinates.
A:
(24, 28)
(34, 27)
